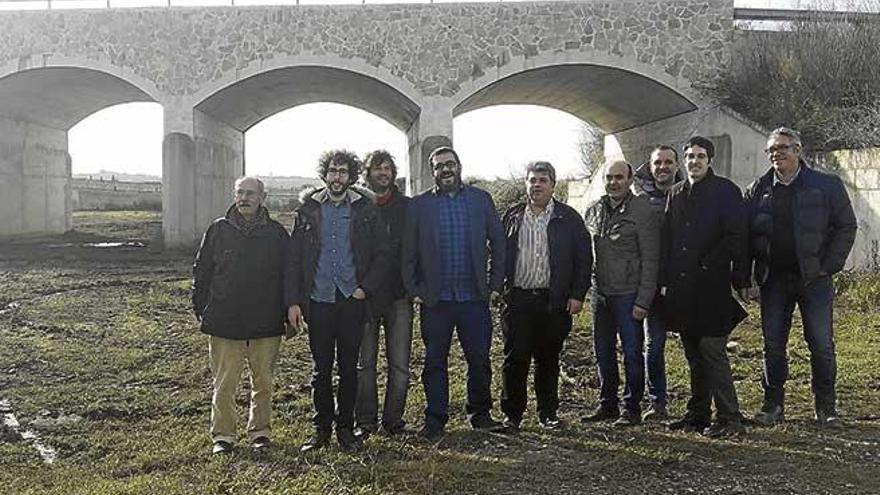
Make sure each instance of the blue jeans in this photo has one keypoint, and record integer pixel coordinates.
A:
(474, 326)
(778, 297)
(397, 321)
(612, 317)
(655, 357)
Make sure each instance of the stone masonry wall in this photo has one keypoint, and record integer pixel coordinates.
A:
(435, 47)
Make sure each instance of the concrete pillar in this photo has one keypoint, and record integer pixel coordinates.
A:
(201, 158)
(433, 128)
(738, 142)
(34, 179)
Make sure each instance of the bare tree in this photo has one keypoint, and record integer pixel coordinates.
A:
(820, 77)
(591, 148)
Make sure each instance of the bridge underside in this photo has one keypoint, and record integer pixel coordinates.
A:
(37, 108)
(613, 99)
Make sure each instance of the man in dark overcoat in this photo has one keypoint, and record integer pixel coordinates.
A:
(704, 255)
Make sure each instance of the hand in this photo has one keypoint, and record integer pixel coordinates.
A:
(359, 294)
(417, 300)
(574, 306)
(294, 316)
(198, 316)
(748, 294)
(639, 313)
(289, 331)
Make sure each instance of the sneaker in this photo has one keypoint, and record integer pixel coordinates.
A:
(431, 434)
(348, 442)
(319, 440)
(689, 424)
(769, 415)
(363, 432)
(486, 423)
(627, 419)
(657, 412)
(829, 420)
(510, 425)
(221, 447)
(725, 429)
(261, 442)
(601, 414)
(550, 423)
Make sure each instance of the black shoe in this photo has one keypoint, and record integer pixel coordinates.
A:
(347, 441)
(317, 441)
(828, 419)
(396, 430)
(550, 423)
(769, 415)
(364, 432)
(601, 414)
(657, 412)
(431, 434)
(627, 419)
(486, 423)
(261, 442)
(689, 424)
(221, 447)
(723, 429)
(510, 425)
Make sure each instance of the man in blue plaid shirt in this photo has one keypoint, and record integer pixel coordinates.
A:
(448, 270)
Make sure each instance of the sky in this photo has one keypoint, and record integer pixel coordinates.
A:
(492, 142)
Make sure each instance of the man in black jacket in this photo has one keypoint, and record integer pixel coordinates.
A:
(337, 261)
(547, 277)
(802, 230)
(704, 252)
(390, 308)
(237, 297)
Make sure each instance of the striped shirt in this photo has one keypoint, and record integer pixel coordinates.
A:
(533, 260)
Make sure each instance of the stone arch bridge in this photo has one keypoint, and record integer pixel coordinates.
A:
(628, 66)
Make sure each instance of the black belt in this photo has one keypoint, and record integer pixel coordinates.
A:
(534, 292)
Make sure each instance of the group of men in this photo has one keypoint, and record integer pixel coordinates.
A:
(664, 250)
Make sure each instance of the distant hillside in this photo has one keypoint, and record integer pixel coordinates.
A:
(118, 176)
(272, 182)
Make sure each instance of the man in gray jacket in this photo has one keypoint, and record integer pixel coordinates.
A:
(626, 250)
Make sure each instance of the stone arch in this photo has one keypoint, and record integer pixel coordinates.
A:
(323, 78)
(616, 93)
(39, 103)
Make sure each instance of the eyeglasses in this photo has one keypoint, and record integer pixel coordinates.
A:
(447, 164)
(779, 148)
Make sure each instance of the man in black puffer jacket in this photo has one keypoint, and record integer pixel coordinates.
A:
(802, 230)
(238, 297)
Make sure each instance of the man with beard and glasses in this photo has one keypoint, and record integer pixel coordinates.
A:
(654, 179)
(802, 230)
(338, 260)
(238, 298)
(626, 249)
(453, 264)
(391, 309)
(705, 256)
(548, 274)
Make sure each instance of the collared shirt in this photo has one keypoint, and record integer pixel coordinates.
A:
(533, 260)
(457, 282)
(778, 180)
(336, 268)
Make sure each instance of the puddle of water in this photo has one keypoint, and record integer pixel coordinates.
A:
(7, 417)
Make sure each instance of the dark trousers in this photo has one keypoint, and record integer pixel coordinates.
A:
(532, 330)
(778, 297)
(335, 327)
(612, 317)
(474, 326)
(711, 379)
(655, 356)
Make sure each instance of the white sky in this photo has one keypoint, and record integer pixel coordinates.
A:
(492, 142)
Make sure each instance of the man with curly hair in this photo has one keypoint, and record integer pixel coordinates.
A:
(337, 261)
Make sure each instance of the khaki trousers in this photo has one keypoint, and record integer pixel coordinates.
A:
(227, 360)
